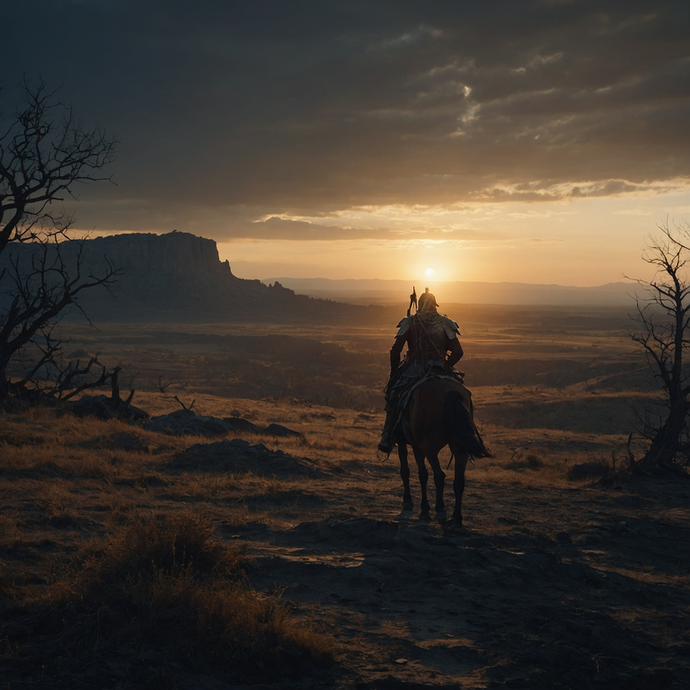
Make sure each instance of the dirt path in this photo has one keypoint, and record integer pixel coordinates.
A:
(546, 587)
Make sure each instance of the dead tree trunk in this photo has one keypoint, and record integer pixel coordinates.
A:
(664, 335)
(666, 443)
(44, 154)
(115, 386)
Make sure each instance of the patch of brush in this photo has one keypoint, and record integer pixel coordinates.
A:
(529, 462)
(160, 603)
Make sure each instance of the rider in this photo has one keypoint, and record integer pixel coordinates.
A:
(432, 349)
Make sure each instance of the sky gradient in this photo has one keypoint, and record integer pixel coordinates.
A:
(520, 141)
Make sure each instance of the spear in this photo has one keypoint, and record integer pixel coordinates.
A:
(413, 301)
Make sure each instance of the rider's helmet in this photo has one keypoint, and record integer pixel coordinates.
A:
(427, 302)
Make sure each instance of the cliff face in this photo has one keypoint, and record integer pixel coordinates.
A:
(170, 272)
(175, 277)
(177, 253)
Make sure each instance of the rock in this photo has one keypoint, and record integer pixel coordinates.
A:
(239, 424)
(238, 455)
(103, 407)
(174, 276)
(187, 422)
(280, 430)
(183, 422)
(92, 406)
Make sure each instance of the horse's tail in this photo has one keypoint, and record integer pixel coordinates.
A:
(463, 436)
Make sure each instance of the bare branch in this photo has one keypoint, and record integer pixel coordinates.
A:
(45, 153)
(662, 318)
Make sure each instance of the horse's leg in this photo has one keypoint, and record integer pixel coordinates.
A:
(405, 475)
(459, 485)
(423, 478)
(439, 480)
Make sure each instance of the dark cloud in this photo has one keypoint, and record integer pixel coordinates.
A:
(252, 223)
(280, 228)
(305, 107)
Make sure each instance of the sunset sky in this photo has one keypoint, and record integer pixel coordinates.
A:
(497, 141)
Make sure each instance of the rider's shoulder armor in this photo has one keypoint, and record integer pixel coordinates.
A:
(450, 327)
(403, 326)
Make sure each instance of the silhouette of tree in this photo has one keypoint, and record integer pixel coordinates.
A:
(44, 154)
(663, 316)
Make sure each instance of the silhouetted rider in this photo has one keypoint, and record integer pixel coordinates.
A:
(432, 349)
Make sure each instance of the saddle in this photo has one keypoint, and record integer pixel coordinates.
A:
(408, 378)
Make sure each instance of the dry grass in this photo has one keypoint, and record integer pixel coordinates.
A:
(529, 462)
(165, 588)
(116, 571)
(89, 581)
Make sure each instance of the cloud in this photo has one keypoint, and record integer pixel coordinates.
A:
(276, 228)
(309, 108)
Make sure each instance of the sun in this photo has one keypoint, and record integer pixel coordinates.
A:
(429, 272)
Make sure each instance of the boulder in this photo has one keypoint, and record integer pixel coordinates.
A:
(103, 407)
(282, 431)
(237, 455)
(187, 422)
(239, 424)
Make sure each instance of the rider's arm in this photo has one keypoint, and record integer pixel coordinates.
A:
(455, 351)
(396, 350)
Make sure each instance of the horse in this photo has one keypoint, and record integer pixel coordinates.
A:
(439, 414)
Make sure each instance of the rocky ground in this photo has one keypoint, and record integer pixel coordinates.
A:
(550, 583)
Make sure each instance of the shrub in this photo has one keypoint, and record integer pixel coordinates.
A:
(166, 593)
(595, 469)
(530, 462)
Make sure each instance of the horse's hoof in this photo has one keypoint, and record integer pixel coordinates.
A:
(441, 516)
(407, 505)
(424, 515)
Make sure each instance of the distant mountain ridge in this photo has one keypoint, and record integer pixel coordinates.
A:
(377, 291)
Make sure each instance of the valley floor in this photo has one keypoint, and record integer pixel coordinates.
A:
(551, 582)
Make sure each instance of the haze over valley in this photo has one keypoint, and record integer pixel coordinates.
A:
(377, 291)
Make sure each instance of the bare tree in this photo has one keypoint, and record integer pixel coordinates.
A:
(44, 154)
(663, 316)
